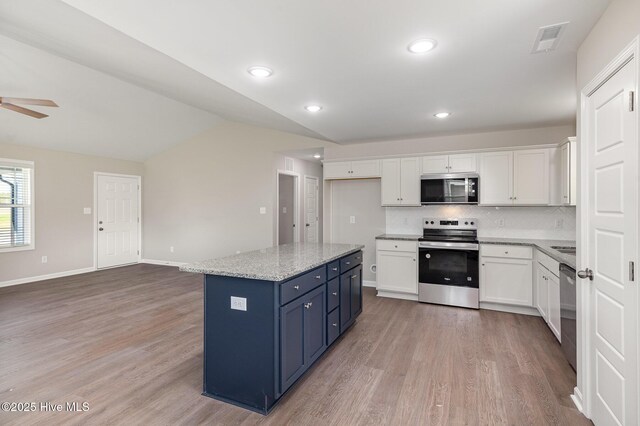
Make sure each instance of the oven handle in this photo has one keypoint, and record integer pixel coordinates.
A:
(449, 246)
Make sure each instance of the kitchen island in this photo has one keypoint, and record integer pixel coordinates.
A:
(270, 314)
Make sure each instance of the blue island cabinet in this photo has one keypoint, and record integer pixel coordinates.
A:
(253, 353)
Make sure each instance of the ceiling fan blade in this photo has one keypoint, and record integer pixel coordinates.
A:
(28, 101)
(29, 112)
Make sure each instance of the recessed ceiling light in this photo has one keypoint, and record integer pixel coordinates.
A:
(313, 108)
(317, 156)
(442, 114)
(260, 72)
(422, 46)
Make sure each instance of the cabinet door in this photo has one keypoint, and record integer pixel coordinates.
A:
(356, 292)
(554, 304)
(496, 178)
(410, 182)
(292, 356)
(390, 183)
(507, 281)
(565, 176)
(435, 164)
(531, 177)
(542, 292)
(345, 301)
(337, 170)
(460, 163)
(397, 271)
(365, 168)
(315, 324)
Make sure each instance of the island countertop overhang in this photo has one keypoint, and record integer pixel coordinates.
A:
(277, 263)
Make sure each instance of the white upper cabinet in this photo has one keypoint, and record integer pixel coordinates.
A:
(531, 177)
(458, 163)
(461, 163)
(568, 172)
(515, 177)
(496, 178)
(435, 164)
(400, 182)
(352, 169)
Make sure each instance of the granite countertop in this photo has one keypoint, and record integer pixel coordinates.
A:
(543, 245)
(403, 237)
(274, 263)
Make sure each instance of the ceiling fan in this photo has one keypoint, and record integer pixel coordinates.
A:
(10, 103)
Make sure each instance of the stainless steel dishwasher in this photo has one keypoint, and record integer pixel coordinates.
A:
(568, 313)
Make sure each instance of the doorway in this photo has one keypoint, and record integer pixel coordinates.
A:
(287, 214)
(117, 220)
(311, 216)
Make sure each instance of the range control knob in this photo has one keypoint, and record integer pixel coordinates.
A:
(472, 223)
(432, 222)
(466, 223)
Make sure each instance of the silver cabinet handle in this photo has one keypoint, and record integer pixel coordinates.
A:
(335, 324)
(297, 287)
(587, 273)
(318, 277)
(308, 305)
(348, 263)
(506, 252)
(353, 277)
(335, 293)
(334, 269)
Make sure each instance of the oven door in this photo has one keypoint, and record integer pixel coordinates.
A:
(452, 264)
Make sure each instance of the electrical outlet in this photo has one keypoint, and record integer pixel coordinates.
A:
(171, 249)
(44, 259)
(263, 210)
(352, 219)
(559, 223)
(238, 303)
(500, 223)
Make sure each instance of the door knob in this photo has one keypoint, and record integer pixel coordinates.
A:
(101, 229)
(587, 273)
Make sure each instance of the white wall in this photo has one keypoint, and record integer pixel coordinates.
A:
(359, 198)
(63, 233)
(203, 196)
(539, 136)
(519, 222)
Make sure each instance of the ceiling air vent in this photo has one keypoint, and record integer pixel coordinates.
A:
(548, 37)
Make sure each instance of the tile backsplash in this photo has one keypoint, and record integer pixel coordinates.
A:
(558, 223)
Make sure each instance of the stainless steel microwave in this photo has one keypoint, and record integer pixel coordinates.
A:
(455, 188)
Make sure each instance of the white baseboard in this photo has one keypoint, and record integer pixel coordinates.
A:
(524, 310)
(162, 262)
(367, 283)
(576, 397)
(46, 277)
(394, 295)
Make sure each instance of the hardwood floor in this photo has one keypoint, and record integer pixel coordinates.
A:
(129, 342)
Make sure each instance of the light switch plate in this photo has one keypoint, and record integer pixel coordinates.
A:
(352, 219)
(87, 210)
(239, 303)
(263, 210)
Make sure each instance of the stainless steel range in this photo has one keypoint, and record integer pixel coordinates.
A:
(448, 262)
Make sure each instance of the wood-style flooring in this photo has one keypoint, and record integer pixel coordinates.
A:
(128, 341)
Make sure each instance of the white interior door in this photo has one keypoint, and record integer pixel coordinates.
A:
(311, 190)
(118, 220)
(612, 159)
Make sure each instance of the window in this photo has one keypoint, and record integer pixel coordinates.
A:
(16, 205)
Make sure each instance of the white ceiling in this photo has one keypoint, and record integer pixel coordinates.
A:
(158, 72)
(351, 57)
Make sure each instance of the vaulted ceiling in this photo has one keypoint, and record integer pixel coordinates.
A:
(350, 57)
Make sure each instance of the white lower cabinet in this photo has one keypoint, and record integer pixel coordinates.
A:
(397, 268)
(506, 275)
(548, 291)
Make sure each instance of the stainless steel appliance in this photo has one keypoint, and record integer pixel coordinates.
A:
(568, 313)
(448, 262)
(455, 188)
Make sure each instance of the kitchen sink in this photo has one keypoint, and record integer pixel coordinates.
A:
(565, 249)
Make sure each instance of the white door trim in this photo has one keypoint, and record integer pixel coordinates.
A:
(582, 393)
(95, 213)
(296, 205)
(317, 179)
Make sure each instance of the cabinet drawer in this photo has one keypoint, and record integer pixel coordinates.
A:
(333, 326)
(397, 245)
(333, 269)
(296, 287)
(507, 251)
(333, 294)
(350, 261)
(546, 261)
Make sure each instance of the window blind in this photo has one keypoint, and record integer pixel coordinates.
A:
(16, 215)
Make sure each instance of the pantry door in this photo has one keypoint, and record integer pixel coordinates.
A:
(117, 220)
(611, 147)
